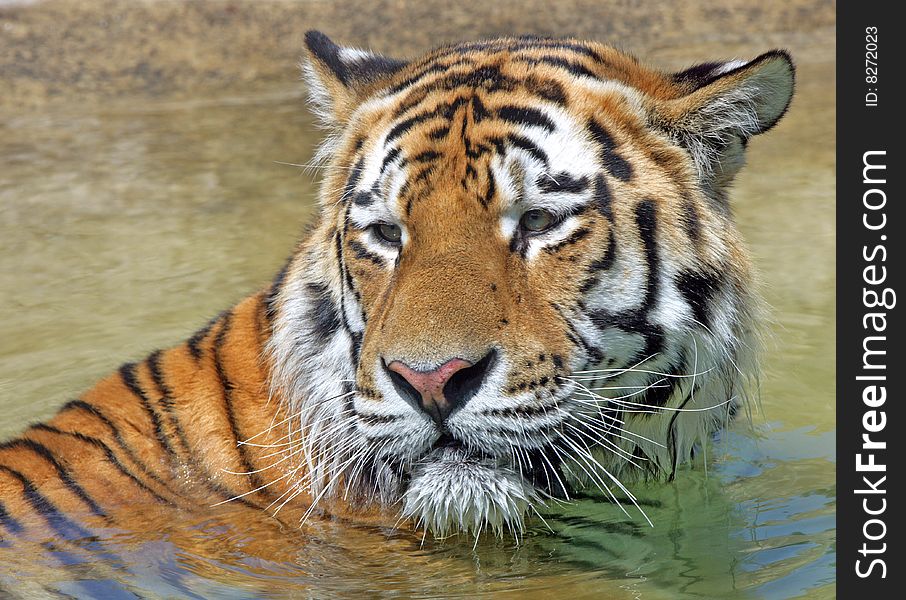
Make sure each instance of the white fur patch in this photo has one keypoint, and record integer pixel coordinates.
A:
(453, 492)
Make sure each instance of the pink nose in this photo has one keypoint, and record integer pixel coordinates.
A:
(430, 385)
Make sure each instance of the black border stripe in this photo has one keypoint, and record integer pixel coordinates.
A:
(490, 192)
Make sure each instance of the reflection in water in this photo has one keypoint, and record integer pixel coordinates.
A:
(124, 229)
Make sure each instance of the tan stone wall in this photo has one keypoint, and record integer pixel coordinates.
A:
(75, 51)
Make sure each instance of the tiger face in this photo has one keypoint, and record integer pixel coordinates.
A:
(525, 278)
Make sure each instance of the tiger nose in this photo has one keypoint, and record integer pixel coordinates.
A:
(438, 392)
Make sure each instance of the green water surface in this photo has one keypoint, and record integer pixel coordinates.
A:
(123, 228)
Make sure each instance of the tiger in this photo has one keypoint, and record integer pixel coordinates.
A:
(524, 280)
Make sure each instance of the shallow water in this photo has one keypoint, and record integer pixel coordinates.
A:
(123, 229)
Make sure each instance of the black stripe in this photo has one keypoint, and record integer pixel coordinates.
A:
(270, 301)
(547, 89)
(636, 320)
(528, 146)
(426, 156)
(479, 111)
(166, 398)
(488, 77)
(423, 174)
(603, 263)
(324, 314)
(526, 42)
(127, 374)
(96, 413)
(523, 115)
(632, 322)
(561, 183)
(363, 199)
(111, 457)
(445, 110)
(227, 396)
(205, 477)
(361, 252)
(646, 219)
(498, 144)
(433, 66)
(65, 528)
(603, 198)
(8, 521)
(594, 353)
(347, 278)
(671, 432)
(429, 69)
(615, 164)
(576, 236)
(405, 125)
(62, 472)
(356, 338)
(355, 174)
(660, 396)
(577, 69)
(166, 395)
(376, 419)
(439, 132)
(391, 156)
(193, 343)
(698, 289)
(338, 252)
(489, 194)
(691, 221)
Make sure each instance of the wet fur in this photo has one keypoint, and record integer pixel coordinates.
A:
(624, 336)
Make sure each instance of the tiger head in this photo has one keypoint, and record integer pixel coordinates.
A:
(525, 277)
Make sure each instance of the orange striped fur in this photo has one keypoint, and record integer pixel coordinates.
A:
(507, 228)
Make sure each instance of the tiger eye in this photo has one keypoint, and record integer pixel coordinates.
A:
(389, 233)
(537, 220)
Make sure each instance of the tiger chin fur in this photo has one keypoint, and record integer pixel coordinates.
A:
(525, 279)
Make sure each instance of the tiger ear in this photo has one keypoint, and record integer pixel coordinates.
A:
(725, 104)
(339, 78)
